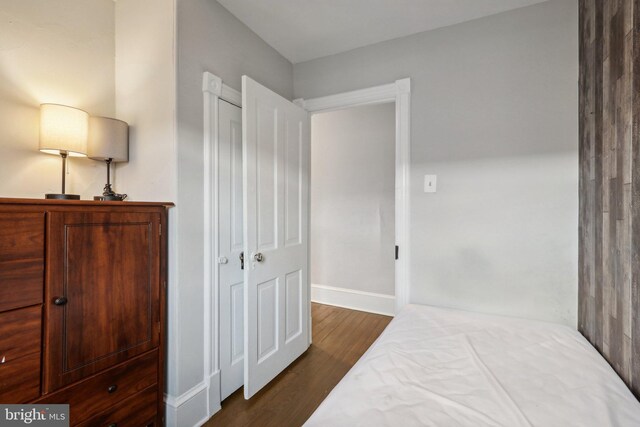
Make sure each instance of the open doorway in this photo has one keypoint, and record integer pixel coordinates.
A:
(352, 224)
(397, 94)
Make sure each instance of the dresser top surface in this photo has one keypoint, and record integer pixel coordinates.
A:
(52, 202)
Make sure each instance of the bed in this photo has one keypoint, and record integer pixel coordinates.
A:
(443, 367)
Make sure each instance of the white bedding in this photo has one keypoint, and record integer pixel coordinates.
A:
(441, 367)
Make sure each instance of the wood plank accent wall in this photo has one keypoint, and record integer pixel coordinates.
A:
(609, 116)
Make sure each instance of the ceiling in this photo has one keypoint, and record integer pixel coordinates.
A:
(307, 29)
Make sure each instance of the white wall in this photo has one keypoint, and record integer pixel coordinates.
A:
(353, 198)
(494, 115)
(145, 97)
(52, 52)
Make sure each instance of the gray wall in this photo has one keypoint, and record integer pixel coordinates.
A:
(353, 198)
(494, 115)
(52, 52)
(209, 38)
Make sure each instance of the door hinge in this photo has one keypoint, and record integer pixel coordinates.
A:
(241, 260)
(160, 230)
(397, 251)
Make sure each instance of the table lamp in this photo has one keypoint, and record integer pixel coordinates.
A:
(108, 142)
(63, 131)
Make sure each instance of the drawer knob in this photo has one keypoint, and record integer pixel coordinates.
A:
(113, 425)
(112, 388)
(60, 301)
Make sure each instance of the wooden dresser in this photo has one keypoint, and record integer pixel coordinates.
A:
(82, 308)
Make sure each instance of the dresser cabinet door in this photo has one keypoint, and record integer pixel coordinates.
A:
(102, 297)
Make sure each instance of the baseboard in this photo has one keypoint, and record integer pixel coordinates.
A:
(355, 300)
(214, 393)
(191, 408)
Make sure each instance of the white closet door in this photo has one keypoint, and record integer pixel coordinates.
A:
(231, 242)
(276, 150)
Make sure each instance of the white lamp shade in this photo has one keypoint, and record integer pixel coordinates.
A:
(108, 139)
(63, 129)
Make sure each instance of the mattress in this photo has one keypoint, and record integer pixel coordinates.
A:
(442, 367)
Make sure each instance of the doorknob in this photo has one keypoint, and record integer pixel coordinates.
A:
(258, 257)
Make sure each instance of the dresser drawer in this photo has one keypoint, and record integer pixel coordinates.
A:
(20, 379)
(102, 391)
(20, 333)
(137, 411)
(21, 259)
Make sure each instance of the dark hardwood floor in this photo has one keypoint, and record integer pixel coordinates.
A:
(340, 337)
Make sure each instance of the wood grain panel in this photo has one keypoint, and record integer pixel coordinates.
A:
(137, 411)
(21, 283)
(107, 274)
(94, 395)
(634, 323)
(20, 379)
(21, 259)
(21, 236)
(121, 320)
(609, 219)
(20, 332)
(107, 266)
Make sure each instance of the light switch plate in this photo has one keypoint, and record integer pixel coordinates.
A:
(430, 183)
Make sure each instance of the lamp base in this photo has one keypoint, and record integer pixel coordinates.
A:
(62, 196)
(108, 194)
(111, 198)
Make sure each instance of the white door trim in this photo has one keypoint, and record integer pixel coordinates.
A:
(213, 90)
(400, 93)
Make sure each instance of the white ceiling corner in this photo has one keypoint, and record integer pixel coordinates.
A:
(302, 30)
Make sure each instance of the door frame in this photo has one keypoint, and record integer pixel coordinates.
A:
(400, 93)
(213, 90)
